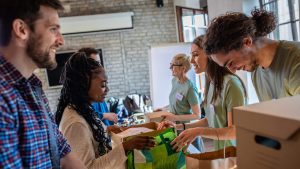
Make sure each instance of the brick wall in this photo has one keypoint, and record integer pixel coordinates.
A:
(125, 52)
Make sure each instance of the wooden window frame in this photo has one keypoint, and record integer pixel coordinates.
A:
(179, 19)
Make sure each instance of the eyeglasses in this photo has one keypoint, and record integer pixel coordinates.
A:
(172, 65)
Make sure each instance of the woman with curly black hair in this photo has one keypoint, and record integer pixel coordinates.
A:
(84, 81)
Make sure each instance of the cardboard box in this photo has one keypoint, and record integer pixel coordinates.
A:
(156, 116)
(117, 139)
(268, 134)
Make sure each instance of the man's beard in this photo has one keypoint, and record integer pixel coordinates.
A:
(253, 67)
(254, 64)
(41, 58)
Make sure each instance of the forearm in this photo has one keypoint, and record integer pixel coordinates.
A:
(226, 133)
(199, 123)
(186, 117)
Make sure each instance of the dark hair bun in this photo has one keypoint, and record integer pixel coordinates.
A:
(265, 22)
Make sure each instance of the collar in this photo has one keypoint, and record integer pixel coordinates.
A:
(13, 76)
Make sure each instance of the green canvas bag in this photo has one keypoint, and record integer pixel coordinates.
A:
(162, 156)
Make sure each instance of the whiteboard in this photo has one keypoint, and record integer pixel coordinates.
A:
(160, 75)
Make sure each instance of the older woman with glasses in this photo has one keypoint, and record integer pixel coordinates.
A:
(183, 99)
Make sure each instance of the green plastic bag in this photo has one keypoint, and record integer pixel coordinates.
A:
(162, 156)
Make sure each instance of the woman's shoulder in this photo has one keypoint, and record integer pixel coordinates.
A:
(70, 117)
(232, 80)
(191, 83)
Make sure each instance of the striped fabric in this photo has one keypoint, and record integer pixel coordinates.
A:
(23, 127)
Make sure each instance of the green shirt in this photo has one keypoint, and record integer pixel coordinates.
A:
(282, 78)
(182, 97)
(231, 96)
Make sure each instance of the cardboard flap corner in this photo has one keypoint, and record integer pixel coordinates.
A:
(276, 118)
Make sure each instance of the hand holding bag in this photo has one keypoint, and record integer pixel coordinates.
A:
(162, 156)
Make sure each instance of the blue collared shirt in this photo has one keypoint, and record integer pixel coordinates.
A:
(24, 141)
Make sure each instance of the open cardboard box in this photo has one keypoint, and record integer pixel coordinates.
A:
(156, 116)
(268, 134)
(117, 140)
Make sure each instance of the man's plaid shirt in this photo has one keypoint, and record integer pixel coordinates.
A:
(23, 127)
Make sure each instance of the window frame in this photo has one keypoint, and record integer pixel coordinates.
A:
(179, 15)
(293, 21)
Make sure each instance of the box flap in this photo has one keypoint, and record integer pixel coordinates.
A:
(157, 116)
(276, 118)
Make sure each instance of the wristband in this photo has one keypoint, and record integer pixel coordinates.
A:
(183, 124)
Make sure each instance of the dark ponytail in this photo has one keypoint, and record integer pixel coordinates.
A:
(265, 22)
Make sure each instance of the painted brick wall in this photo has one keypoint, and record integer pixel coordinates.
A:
(125, 52)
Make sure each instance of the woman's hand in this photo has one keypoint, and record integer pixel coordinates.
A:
(111, 117)
(185, 139)
(139, 142)
(165, 124)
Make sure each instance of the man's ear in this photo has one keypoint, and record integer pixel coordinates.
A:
(20, 29)
(247, 41)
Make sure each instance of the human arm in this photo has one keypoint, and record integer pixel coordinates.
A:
(294, 79)
(186, 117)
(234, 96)
(71, 161)
(198, 123)
(102, 112)
(9, 150)
(190, 134)
(139, 142)
(110, 116)
(193, 103)
(68, 159)
(81, 140)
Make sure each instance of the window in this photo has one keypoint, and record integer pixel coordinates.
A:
(53, 76)
(191, 23)
(287, 12)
